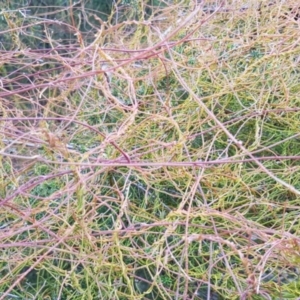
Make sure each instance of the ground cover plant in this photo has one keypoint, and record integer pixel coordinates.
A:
(149, 150)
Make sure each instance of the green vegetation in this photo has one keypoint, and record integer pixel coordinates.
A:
(149, 150)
